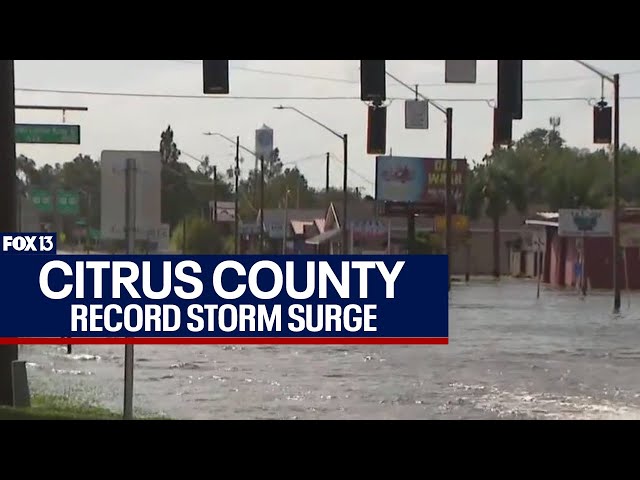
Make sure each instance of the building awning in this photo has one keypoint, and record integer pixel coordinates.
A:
(541, 223)
(323, 237)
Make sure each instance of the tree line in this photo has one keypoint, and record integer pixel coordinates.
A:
(541, 170)
(185, 191)
(538, 169)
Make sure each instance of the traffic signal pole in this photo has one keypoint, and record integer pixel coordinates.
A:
(448, 112)
(617, 257)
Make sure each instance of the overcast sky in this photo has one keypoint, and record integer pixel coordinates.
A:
(128, 122)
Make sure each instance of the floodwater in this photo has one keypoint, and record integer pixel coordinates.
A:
(510, 356)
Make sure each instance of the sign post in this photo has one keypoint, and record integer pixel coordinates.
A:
(539, 244)
(130, 226)
(131, 202)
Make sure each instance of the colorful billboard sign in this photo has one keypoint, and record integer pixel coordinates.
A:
(418, 183)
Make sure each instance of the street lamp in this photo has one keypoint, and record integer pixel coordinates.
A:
(615, 80)
(236, 247)
(343, 137)
(237, 175)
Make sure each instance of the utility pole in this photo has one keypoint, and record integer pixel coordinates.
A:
(215, 195)
(326, 178)
(285, 224)
(261, 203)
(615, 80)
(8, 209)
(616, 193)
(345, 193)
(184, 235)
(130, 226)
(448, 206)
(237, 178)
(411, 229)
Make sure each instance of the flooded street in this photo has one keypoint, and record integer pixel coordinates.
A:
(510, 356)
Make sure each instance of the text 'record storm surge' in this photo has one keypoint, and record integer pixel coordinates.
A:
(226, 299)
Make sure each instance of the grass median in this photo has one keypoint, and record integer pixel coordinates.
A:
(51, 407)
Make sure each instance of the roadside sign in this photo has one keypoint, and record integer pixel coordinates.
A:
(113, 192)
(585, 223)
(67, 202)
(42, 200)
(49, 134)
(416, 115)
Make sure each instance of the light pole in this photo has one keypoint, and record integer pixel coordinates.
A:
(237, 175)
(615, 80)
(344, 138)
(448, 112)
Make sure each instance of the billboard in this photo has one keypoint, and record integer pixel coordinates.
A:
(585, 223)
(418, 183)
(113, 194)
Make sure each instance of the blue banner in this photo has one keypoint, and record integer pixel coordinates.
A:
(261, 299)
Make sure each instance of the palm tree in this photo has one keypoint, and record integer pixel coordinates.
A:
(495, 185)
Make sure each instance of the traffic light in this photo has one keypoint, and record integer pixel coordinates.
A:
(377, 131)
(460, 71)
(215, 75)
(502, 127)
(602, 125)
(510, 87)
(373, 81)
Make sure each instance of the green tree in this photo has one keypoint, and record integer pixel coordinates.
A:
(169, 152)
(82, 175)
(494, 186)
(202, 237)
(575, 179)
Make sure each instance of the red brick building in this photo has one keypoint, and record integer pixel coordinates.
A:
(563, 256)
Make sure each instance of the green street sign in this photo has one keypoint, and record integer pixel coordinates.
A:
(67, 202)
(50, 134)
(42, 200)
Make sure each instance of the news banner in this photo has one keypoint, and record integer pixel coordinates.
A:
(51, 298)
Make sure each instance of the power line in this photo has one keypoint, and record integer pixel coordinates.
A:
(331, 98)
(434, 84)
(355, 172)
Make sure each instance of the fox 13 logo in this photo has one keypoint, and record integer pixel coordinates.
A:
(28, 243)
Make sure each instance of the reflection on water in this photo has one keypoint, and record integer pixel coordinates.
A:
(510, 356)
